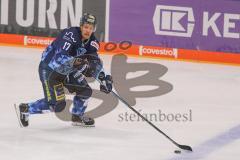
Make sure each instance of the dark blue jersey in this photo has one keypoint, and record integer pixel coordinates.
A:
(60, 55)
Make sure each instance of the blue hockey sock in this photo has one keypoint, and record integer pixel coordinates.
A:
(79, 106)
(38, 107)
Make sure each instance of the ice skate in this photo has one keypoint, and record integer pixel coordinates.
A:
(22, 113)
(83, 121)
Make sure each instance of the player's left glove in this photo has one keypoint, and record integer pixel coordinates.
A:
(106, 82)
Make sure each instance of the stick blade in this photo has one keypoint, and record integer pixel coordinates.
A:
(184, 147)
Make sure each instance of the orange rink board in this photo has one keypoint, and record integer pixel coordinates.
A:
(139, 51)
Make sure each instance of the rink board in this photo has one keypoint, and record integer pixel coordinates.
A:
(133, 50)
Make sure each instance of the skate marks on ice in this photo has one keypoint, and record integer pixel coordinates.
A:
(203, 150)
(59, 141)
(68, 135)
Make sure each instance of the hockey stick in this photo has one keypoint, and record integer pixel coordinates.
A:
(184, 147)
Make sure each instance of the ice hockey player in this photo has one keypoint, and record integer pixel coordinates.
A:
(65, 63)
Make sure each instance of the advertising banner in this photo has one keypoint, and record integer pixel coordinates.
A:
(48, 17)
(129, 49)
(200, 25)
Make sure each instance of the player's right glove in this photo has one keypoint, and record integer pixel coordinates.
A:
(106, 82)
(79, 62)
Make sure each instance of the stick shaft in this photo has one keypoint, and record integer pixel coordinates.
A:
(150, 123)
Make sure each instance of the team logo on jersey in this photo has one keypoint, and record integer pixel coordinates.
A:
(69, 36)
(81, 51)
(95, 44)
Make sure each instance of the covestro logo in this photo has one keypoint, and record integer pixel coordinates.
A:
(28, 40)
(153, 51)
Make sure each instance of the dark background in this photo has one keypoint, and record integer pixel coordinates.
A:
(96, 7)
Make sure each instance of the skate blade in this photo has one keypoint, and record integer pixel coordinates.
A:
(17, 111)
(82, 125)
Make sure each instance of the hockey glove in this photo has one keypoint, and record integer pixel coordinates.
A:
(106, 82)
(79, 62)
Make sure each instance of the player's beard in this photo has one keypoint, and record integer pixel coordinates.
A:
(86, 36)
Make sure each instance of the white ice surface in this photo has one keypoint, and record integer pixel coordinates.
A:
(210, 91)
